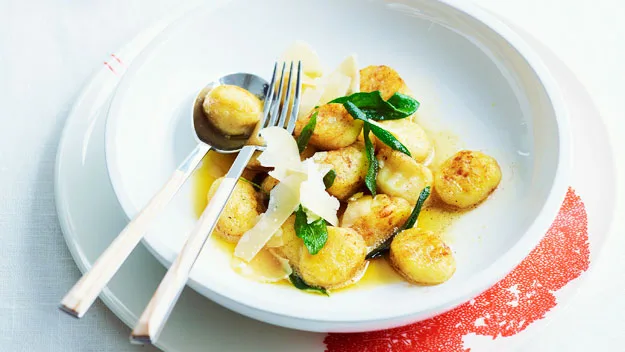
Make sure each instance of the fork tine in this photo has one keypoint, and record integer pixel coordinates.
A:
(287, 99)
(269, 96)
(295, 107)
(275, 103)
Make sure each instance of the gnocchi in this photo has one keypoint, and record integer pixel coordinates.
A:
(292, 246)
(335, 127)
(422, 257)
(268, 184)
(467, 178)
(384, 79)
(401, 176)
(410, 135)
(239, 214)
(350, 165)
(342, 257)
(233, 110)
(376, 218)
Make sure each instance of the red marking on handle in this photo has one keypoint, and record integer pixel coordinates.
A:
(118, 59)
(110, 67)
(507, 308)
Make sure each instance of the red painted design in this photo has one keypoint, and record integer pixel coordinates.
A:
(118, 59)
(522, 297)
(110, 67)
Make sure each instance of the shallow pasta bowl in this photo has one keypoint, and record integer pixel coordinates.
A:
(474, 77)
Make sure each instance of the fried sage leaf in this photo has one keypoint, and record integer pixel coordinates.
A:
(398, 106)
(314, 234)
(299, 283)
(307, 131)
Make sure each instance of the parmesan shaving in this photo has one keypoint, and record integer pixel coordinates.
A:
(349, 68)
(299, 50)
(344, 80)
(276, 239)
(314, 198)
(283, 200)
(310, 99)
(281, 153)
(334, 86)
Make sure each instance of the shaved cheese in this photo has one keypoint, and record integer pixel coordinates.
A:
(335, 85)
(349, 68)
(283, 200)
(315, 198)
(311, 65)
(265, 267)
(310, 216)
(276, 240)
(344, 80)
(308, 82)
(281, 153)
(310, 99)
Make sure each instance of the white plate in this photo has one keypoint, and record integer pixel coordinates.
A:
(495, 95)
(91, 217)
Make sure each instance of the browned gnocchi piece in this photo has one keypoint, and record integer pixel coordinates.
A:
(421, 257)
(401, 176)
(240, 213)
(376, 218)
(411, 135)
(292, 246)
(467, 178)
(350, 164)
(338, 262)
(335, 127)
(382, 78)
(232, 109)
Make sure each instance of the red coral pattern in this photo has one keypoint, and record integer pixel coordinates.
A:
(521, 298)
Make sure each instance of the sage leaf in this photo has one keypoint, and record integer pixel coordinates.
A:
(300, 284)
(314, 234)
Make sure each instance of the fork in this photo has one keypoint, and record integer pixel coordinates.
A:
(160, 306)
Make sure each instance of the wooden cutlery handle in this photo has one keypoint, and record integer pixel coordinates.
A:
(158, 309)
(78, 300)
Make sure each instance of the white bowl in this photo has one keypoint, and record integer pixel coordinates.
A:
(474, 77)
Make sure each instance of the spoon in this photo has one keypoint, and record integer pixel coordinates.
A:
(283, 115)
(78, 300)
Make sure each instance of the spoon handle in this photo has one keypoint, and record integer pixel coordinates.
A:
(78, 300)
(157, 311)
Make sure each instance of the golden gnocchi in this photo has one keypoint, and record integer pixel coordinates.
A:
(376, 218)
(239, 214)
(350, 165)
(335, 128)
(422, 257)
(401, 176)
(467, 178)
(232, 109)
(342, 257)
(411, 135)
(382, 78)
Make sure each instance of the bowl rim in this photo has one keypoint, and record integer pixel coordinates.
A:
(480, 281)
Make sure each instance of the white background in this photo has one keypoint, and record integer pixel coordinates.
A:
(48, 50)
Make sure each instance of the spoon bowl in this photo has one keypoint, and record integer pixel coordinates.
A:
(205, 132)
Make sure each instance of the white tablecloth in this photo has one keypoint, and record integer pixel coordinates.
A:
(48, 49)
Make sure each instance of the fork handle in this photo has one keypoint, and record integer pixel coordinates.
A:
(160, 306)
(78, 300)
